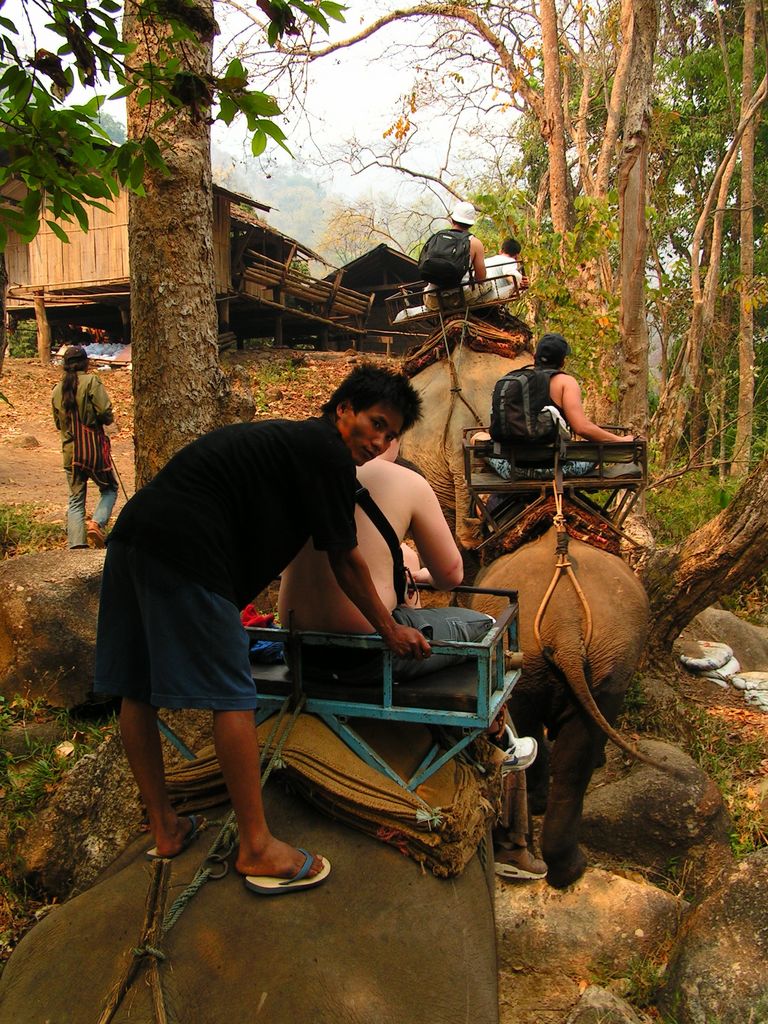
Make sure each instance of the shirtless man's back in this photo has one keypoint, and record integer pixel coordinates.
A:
(309, 593)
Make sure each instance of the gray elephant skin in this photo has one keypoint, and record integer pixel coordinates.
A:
(381, 942)
(562, 667)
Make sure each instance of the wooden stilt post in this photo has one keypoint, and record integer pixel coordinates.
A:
(43, 329)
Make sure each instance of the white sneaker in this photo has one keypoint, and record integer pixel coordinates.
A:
(520, 752)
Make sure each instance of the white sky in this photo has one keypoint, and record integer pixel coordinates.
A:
(355, 91)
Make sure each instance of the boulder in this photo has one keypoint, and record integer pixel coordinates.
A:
(550, 940)
(48, 607)
(749, 643)
(90, 817)
(718, 970)
(94, 811)
(661, 821)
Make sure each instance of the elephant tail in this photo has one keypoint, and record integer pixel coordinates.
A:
(578, 682)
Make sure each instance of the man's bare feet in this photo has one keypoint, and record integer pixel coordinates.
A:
(276, 860)
(174, 840)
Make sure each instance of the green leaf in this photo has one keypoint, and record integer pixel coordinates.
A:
(136, 176)
(58, 231)
(227, 109)
(258, 142)
(333, 10)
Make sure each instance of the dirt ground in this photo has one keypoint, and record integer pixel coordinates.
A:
(30, 448)
(293, 385)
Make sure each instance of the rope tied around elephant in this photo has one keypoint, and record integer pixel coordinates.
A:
(226, 840)
(563, 567)
(141, 951)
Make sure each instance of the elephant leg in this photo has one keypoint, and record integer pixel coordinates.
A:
(575, 752)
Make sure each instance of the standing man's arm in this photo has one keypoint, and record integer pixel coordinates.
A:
(352, 575)
(477, 259)
(567, 394)
(434, 540)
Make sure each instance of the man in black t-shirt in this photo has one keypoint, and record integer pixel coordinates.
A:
(213, 528)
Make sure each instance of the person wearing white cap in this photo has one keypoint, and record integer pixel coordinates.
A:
(474, 284)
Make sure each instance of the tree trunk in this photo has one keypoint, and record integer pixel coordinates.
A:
(633, 178)
(674, 403)
(683, 580)
(179, 389)
(3, 290)
(743, 443)
(553, 126)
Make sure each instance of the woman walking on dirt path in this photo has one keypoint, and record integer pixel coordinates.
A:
(81, 400)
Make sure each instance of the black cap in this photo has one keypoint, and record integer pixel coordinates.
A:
(552, 350)
(75, 356)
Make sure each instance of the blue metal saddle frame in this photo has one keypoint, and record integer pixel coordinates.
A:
(465, 697)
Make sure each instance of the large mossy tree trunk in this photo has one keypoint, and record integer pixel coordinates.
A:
(633, 181)
(179, 389)
(683, 580)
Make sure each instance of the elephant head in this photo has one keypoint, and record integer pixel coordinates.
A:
(380, 942)
(578, 660)
(456, 393)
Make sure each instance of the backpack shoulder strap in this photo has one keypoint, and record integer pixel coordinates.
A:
(385, 528)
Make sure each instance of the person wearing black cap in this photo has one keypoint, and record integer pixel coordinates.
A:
(565, 393)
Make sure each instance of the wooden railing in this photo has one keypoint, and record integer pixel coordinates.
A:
(279, 284)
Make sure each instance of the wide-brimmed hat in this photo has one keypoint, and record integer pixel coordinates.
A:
(464, 213)
(552, 350)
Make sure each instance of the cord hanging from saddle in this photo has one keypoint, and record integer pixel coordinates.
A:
(455, 383)
(562, 564)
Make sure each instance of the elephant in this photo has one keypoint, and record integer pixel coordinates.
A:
(573, 687)
(450, 405)
(379, 942)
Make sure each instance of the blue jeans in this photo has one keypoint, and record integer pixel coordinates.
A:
(76, 537)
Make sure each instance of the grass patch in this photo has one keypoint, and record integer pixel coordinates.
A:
(682, 505)
(21, 531)
(640, 978)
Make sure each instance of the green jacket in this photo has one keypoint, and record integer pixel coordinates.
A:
(93, 408)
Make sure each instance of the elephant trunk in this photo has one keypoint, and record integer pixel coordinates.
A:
(577, 677)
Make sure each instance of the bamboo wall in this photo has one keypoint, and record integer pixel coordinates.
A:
(100, 256)
(96, 257)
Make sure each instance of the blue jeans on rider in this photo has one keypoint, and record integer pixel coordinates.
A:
(76, 535)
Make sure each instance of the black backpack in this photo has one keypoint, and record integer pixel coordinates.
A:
(517, 407)
(444, 260)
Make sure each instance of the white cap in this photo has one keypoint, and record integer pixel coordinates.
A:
(464, 213)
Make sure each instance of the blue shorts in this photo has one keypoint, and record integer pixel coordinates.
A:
(167, 641)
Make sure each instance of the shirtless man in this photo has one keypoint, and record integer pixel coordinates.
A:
(309, 594)
(310, 599)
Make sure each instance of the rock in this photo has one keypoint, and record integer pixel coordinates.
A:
(18, 740)
(598, 1006)
(95, 811)
(749, 643)
(655, 819)
(719, 968)
(48, 607)
(26, 441)
(548, 938)
(91, 816)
